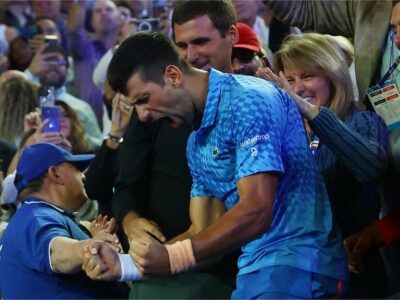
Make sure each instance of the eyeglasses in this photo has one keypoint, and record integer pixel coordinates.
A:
(61, 62)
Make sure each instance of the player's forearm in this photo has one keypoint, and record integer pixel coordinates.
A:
(66, 255)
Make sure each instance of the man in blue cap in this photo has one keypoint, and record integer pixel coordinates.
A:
(43, 244)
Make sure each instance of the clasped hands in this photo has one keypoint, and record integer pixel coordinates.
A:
(101, 262)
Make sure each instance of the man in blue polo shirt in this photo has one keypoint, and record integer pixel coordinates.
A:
(248, 154)
(41, 249)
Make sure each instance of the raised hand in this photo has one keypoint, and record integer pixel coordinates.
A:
(308, 110)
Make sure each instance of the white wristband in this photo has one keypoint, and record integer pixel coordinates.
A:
(129, 271)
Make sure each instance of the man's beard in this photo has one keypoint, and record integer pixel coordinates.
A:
(56, 83)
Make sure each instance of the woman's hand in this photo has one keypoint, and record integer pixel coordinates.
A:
(308, 110)
(56, 138)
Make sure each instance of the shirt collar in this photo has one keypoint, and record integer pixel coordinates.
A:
(34, 200)
(215, 80)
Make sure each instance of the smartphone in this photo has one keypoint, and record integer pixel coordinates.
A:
(53, 114)
(150, 24)
(52, 41)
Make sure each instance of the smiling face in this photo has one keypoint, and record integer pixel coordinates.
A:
(312, 87)
(153, 101)
(201, 44)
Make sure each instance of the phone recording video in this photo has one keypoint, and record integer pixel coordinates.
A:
(53, 114)
(150, 24)
(52, 41)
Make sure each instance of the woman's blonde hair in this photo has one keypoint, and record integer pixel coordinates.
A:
(77, 136)
(315, 53)
(17, 98)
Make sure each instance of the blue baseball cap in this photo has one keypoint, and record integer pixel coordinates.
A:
(38, 158)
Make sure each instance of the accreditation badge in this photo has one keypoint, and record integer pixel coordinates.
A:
(386, 102)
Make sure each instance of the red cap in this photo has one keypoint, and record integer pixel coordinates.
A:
(247, 38)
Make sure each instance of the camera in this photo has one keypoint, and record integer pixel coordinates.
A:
(150, 24)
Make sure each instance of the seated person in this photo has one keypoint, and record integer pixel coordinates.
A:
(43, 245)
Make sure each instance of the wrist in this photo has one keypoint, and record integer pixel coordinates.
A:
(128, 269)
(181, 257)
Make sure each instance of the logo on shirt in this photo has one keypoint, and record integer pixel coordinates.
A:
(215, 151)
(254, 151)
(254, 139)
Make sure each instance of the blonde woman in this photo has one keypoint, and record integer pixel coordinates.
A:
(349, 146)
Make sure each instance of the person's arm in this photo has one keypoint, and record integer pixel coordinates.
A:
(130, 200)
(249, 218)
(204, 211)
(381, 233)
(76, 16)
(319, 16)
(100, 176)
(359, 144)
(66, 254)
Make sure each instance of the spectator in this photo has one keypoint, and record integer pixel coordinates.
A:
(17, 98)
(43, 245)
(52, 70)
(20, 54)
(349, 146)
(247, 57)
(87, 50)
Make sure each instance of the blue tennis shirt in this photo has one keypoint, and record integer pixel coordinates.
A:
(251, 126)
(25, 267)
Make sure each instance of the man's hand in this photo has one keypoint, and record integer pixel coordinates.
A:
(358, 246)
(40, 63)
(105, 230)
(150, 256)
(136, 227)
(101, 262)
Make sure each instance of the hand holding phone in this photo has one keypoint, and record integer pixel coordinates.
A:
(52, 41)
(53, 115)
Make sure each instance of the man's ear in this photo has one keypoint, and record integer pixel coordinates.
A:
(173, 75)
(232, 34)
(55, 174)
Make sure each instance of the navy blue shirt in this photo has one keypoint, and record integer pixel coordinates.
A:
(25, 266)
(251, 126)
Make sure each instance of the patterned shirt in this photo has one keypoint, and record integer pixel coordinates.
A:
(250, 126)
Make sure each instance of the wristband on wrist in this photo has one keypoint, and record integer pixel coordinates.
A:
(129, 271)
(181, 257)
(115, 138)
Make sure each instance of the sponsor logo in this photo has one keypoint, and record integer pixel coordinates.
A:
(254, 139)
(254, 151)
